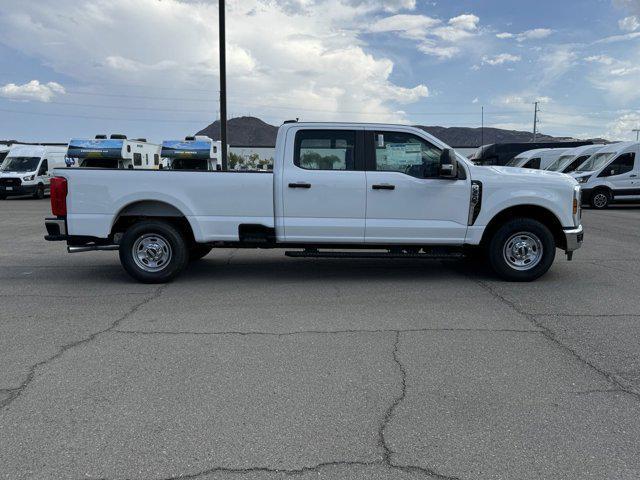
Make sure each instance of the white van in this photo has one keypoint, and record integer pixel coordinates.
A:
(4, 150)
(538, 159)
(26, 170)
(573, 158)
(611, 173)
(193, 153)
(114, 152)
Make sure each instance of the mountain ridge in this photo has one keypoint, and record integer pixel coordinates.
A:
(254, 132)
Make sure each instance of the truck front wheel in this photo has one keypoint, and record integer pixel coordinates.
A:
(521, 250)
(153, 252)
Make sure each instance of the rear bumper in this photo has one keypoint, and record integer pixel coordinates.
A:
(21, 190)
(56, 229)
(574, 238)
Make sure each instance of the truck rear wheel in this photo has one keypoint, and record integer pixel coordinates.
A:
(153, 252)
(521, 250)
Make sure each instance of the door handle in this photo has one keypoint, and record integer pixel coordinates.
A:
(299, 185)
(633, 176)
(383, 186)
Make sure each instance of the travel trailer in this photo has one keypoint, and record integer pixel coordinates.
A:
(27, 169)
(538, 159)
(114, 152)
(573, 158)
(192, 153)
(610, 174)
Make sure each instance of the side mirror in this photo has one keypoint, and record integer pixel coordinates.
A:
(448, 164)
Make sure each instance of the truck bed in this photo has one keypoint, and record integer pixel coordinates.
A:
(214, 203)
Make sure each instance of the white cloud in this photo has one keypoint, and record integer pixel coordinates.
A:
(534, 34)
(300, 53)
(500, 59)
(33, 90)
(602, 59)
(434, 36)
(621, 128)
(629, 24)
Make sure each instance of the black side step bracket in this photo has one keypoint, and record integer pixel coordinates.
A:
(427, 256)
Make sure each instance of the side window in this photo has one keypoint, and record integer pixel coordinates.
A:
(44, 168)
(533, 163)
(575, 164)
(406, 153)
(156, 159)
(325, 149)
(622, 164)
(137, 159)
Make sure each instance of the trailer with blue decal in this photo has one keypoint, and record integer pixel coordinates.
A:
(114, 152)
(192, 153)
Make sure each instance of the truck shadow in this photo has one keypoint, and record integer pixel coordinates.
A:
(358, 270)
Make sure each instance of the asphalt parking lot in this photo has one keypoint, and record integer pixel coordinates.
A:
(257, 366)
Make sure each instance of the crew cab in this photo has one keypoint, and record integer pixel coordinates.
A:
(336, 190)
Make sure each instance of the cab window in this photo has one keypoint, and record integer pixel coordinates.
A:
(44, 167)
(533, 163)
(406, 153)
(325, 149)
(622, 164)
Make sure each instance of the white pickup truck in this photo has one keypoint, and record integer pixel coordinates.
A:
(336, 190)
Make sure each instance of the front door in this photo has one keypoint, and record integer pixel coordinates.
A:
(407, 203)
(621, 173)
(323, 187)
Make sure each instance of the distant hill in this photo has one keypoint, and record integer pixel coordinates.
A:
(247, 131)
(251, 131)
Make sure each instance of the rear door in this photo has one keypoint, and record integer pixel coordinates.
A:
(407, 202)
(323, 186)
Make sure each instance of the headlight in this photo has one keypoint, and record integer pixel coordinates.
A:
(577, 205)
(583, 179)
(28, 178)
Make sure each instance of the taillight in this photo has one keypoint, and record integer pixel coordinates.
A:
(59, 196)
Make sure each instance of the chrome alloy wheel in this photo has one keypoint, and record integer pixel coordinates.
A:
(523, 251)
(152, 252)
(600, 200)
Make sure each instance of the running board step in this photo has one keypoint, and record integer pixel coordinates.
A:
(427, 256)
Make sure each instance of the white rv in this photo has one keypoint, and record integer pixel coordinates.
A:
(538, 159)
(114, 152)
(26, 170)
(192, 153)
(573, 158)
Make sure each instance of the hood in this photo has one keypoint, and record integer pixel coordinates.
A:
(517, 175)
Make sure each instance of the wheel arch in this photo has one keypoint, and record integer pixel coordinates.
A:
(535, 212)
(152, 209)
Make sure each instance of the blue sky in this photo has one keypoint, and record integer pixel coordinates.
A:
(149, 67)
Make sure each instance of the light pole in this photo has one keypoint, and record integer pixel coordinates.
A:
(223, 85)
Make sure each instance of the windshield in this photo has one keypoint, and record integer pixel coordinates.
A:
(514, 161)
(20, 164)
(595, 162)
(555, 166)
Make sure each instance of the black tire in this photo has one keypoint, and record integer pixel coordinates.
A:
(199, 251)
(39, 193)
(600, 199)
(3, 196)
(153, 240)
(521, 250)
